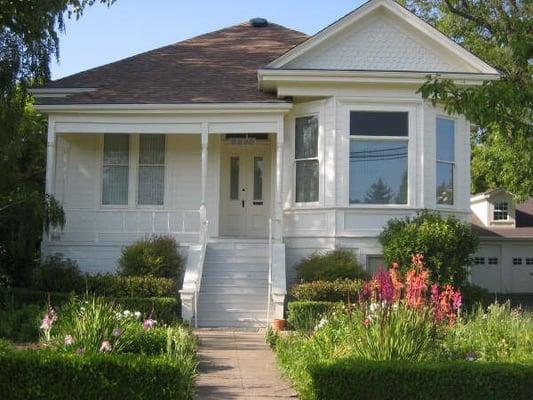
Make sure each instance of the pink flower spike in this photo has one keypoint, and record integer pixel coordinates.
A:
(105, 347)
(117, 332)
(79, 350)
(457, 300)
(69, 340)
(148, 324)
(365, 322)
(434, 293)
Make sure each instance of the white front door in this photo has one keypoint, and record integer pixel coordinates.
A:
(245, 191)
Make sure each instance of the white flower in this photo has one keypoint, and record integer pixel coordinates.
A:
(374, 307)
(137, 314)
(127, 313)
(82, 308)
(321, 324)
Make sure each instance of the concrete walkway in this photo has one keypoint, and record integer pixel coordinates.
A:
(238, 365)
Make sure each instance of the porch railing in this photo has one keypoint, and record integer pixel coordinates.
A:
(204, 236)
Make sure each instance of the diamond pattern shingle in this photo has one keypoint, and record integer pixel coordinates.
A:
(217, 67)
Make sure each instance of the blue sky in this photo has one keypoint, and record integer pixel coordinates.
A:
(129, 27)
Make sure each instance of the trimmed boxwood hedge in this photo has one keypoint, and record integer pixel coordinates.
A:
(358, 379)
(305, 315)
(54, 376)
(166, 309)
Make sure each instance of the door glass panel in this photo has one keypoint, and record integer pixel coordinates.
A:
(258, 178)
(234, 178)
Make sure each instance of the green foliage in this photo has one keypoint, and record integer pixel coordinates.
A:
(305, 315)
(446, 243)
(155, 256)
(361, 379)
(58, 274)
(55, 376)
(271, 337)
(335, 264)
(474, 295)
(21, 324)
(131, 286)
(497, 333)
(345, 290)
(500, 33)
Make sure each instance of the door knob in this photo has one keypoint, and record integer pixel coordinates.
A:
(242, 203)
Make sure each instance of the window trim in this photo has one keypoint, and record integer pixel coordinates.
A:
(453, 163)
(409, 139)
(100, 192)
(507, 212)
(137, 168)
(308, 204)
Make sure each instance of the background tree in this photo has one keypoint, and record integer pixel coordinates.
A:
(379, 193)
(500, 32)
(446, 243)
(28, 40)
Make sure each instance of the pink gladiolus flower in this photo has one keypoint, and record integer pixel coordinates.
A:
(457, 300)
(385, 286)
(105, 347)
(148, 323)
(117, 332)
(79, 350)
(49, 319)
(365, 322)
(69, 340)
(434, 293)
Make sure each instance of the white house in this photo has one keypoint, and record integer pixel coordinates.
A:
(255, 145)
(504, 261)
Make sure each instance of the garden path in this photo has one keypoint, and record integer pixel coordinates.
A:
(238, 365)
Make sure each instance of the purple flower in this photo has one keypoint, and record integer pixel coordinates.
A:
(48, 320)
(69, 340)
(386, 287)
(148, 323)
(435, 293)
(457, 300)
(79, 350)
(117, 332)
(105, 347)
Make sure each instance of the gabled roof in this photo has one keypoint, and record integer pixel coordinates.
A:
(217, 67)
(523, 222)
(352, 20)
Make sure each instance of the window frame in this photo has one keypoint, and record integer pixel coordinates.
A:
(100, 193)
(137, 169)
(479, 260)
(409, 139)
(492, 261)
(517, 261)
(307, 204)
(452, 163)
(495, 210)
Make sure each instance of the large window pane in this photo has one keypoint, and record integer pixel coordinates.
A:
(444, 183)
(258, 178)
(234, 178)
(445, 140)
(378, 172)
(151, 170)
(306, 137)
(378, 123)
(307, 181)
(115, 174)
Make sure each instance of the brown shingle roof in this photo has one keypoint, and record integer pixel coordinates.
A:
(220, 66)
(523, 224)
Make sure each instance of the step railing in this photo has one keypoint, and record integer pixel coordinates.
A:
(204, 236)
(270, 249)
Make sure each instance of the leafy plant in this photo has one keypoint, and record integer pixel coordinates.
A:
(305, 315)
(339, 290)
(330, 266)
(20, 324)
(446, 242)
(58, 274)
(131, 286)
(156, 256)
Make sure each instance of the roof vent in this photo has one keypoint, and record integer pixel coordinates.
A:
(259, 22)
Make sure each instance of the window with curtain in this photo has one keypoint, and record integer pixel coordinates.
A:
(306, 159)
(378, 157)
(445, 161)
(115, 174)
(151, 189)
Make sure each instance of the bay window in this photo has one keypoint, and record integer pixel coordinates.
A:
(115, 175)
(151, 189)
(306, 159)
(445, 161)
(378, 157)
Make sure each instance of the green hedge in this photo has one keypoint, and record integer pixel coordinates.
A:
(54, 376)
(305, 315)
(357, 379)
(339, 290)
(21, 324)
(166, 309)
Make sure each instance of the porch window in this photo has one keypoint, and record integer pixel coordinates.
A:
(115, 169)
(445, 160)
(306, 159)
(378, 157)
(151, 170)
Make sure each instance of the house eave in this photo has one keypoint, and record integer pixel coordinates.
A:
(40, 93)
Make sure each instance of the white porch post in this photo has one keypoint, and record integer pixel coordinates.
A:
(278, 208)
(50, 157)
(205, 139)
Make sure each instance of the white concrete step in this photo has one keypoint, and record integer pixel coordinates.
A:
(234, 290)
(235, 281)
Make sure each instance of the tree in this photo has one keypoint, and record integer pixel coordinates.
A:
(446, 243)
(501, 33)
(28, 40)
(379, 193)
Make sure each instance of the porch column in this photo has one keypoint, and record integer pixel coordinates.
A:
(50, 157)
(205, 139)
(278, 209)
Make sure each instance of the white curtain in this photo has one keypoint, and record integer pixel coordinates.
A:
(116, 169)
(151, 170)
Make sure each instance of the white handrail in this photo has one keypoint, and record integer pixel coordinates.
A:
(269, 298)
(204, 235)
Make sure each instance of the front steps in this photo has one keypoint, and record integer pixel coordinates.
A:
(234, 285)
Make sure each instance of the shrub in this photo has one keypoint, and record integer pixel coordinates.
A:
(474, 295)
(131, 286)
(21, 324)
(330, 266)
(58, 274)
(359, 379)
(55, 376)
(447, 244)
(155, 256)
(339, 290)
(305, 315)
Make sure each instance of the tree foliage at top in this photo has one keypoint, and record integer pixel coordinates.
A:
(28, 40)
(499, 32)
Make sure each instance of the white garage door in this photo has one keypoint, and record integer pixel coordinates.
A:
(486, 271)
(521, 264)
